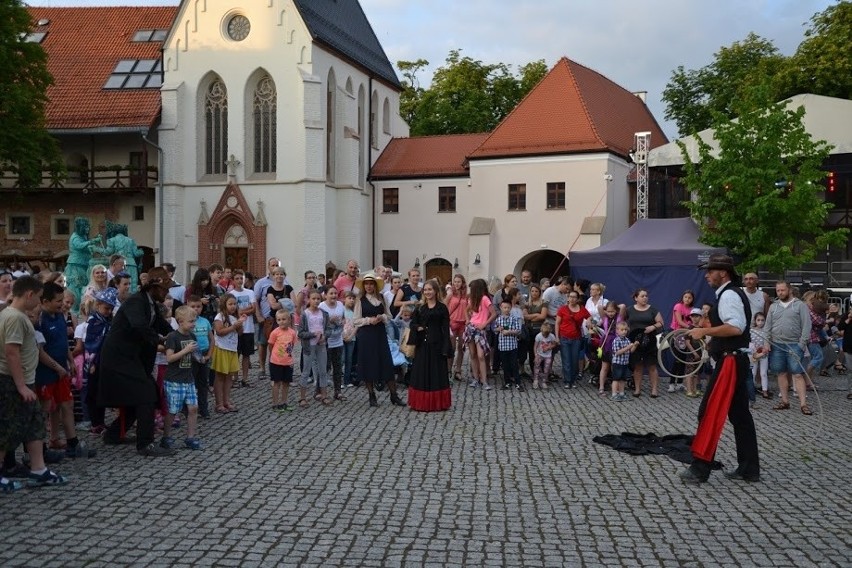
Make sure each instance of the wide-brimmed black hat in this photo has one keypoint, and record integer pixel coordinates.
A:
(719, 262)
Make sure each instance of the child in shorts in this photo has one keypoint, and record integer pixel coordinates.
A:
(201, 358)
(621, 350)
(54, 373)
(179, 384)
(282, 340)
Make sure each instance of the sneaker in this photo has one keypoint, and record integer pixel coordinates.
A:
(285, 408)
(473, 384)
(681, 387)
(506, 386)
(520, 387)
(167, 442)
(46, 479)
(154, 451)
(81, 450)
(192, 443)
(672, 387)
(486, 386)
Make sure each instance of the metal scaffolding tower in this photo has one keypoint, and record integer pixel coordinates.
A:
(642, 143)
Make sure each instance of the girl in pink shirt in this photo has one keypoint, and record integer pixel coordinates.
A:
(480, 315)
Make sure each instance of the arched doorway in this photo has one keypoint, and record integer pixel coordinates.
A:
(439, 268)
(543, 264)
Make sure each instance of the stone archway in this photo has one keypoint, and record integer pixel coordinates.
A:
(543, 264)
(233, 230)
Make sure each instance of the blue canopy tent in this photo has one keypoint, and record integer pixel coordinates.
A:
(661, 255)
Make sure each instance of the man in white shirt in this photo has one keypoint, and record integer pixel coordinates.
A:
(263, 302)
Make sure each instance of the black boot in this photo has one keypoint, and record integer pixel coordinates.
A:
(373, 401)
(394, 397)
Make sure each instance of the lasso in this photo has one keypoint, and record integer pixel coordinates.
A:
(698, 347)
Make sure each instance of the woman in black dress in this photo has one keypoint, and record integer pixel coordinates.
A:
(429, 389)
(374, 356)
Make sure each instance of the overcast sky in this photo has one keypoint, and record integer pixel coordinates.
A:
(635, 44)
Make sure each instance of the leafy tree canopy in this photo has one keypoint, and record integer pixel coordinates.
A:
(821, 65)
(760, 195)
(466, 95)
(24, 142)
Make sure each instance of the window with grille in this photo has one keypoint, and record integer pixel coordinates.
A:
(216, 128)
(446, 199)
(265, 115)
(517, 197)
(390, 200)
(556, 195)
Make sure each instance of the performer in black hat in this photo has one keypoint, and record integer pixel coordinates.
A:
(726, 392)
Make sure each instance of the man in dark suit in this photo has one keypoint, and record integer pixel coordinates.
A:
(127, 360)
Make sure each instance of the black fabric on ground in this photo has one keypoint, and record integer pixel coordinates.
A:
(675, 446)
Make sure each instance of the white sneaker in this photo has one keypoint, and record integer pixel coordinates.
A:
(486, 386)
(681, 387)
(473, 384)
(672, 387)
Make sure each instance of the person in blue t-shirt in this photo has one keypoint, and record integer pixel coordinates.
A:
(53, 376)
(201, 359)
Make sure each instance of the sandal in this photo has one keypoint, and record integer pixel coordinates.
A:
(766, 394)
(781, 406)
(231, 408)
(10, 486)
(326, 401)
(338, 396)
(221, 410)
(824, 373)
(806, 410)
(303, 403)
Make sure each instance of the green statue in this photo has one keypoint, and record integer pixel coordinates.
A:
(119, 243)
(80, 250)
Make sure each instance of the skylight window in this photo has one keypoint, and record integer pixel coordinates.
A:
(35, 37)
(136, 74)
(150, 35)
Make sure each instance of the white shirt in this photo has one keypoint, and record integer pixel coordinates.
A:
(731, 308)
(229, 341)
(246, 298)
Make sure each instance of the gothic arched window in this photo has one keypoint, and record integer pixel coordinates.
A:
(264, 121)
(216, 128)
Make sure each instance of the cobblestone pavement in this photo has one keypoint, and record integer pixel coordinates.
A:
(502, 479)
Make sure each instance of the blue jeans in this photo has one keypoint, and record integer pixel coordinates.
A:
(348, 361)
(569, 350)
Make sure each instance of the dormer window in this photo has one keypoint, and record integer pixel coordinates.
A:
(150, 35)
(136, 74)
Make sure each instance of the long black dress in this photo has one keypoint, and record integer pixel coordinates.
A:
(429, 389)
(374, 356)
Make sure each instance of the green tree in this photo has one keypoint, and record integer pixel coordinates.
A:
(466, 95)
(25, 144)
(693, 96)
(760, 195)
(821, 64)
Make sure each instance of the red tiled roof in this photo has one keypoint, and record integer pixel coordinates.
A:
(83, 46)
(426, 156)
(573, 109)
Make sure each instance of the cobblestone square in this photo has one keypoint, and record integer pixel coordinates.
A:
(502, 479)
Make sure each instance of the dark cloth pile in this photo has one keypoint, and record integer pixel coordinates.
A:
(675, 446)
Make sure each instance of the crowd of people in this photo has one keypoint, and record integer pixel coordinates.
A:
(157, 354)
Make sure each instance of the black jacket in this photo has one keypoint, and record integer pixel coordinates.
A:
(129, 351)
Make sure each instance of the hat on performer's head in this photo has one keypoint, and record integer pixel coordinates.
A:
(370, 276)
(720, 261)
(696, 312)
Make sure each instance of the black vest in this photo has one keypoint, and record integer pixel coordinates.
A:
(721, 345)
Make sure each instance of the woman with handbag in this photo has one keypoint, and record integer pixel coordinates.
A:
(429, 389)
(645, 323)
